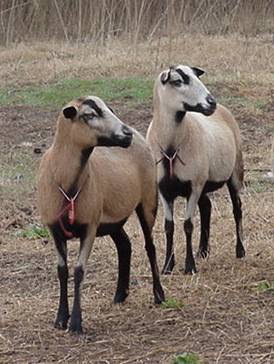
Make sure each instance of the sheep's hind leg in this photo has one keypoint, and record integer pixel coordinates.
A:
(169, 231)
(237, 212)
(147, 217)
(205, 213)
(123, 246)
(62, 316)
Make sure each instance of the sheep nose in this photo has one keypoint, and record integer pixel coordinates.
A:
(211, 101)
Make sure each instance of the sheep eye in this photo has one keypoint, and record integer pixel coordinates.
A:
(87, 117)
(176, 83)
(90, 116)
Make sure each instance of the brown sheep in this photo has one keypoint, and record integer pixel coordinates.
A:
(197, 147)
(86, 192)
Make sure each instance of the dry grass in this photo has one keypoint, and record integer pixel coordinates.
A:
(226, 319)
(226, 58)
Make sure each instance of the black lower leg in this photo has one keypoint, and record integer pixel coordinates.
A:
(190, 262)
(123, 246)
(205, 212)
(158, 291)
(237, 212)
(63, 310)
(170, 259)
(76, 315)
(62, 269)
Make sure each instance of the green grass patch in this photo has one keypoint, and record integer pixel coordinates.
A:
(264, 286)
(187, 358)
(244, 102)
(129, 90)
(172, 303)
(34, 232)
(17, 175)
(259, 185)
(132, 91)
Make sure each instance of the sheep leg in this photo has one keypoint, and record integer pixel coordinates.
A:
(79, 273)
(123, 246)
(169, 230)
(62, 317)
(147, 218)
(205, 212)
(192, 202)
(237, 212)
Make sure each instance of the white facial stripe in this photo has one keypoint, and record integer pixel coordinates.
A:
(86, 109)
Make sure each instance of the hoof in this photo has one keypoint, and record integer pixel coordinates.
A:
(240, 253)
(203, 254)
(159, 296)
(166, 271)
(75, 327)
(61, 323)
(75, 330)
(168, 268)
(190, 270)
(120, 297)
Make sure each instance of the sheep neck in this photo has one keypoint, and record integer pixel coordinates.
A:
(169, 131)
(69, 166)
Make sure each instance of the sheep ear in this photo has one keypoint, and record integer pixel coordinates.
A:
(198, 71)
(165, 77)
(111, 109)
(69, 112)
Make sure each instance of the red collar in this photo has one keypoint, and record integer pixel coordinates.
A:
(171, 159)
(70, 207)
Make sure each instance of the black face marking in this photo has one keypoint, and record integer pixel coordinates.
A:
(94, 106)
(114, 141)
(85, 156)
(184, 76)
(199, 108)
(179, 116)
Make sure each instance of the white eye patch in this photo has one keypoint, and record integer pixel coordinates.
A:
(87, 110)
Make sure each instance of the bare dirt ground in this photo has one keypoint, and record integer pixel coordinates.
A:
(225, 317)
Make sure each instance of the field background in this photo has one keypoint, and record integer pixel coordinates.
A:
(52, 51)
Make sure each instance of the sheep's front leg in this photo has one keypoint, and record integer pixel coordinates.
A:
(192, 202)
(62, 317)
(79, 273)
(169, 230)
(146, 217)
